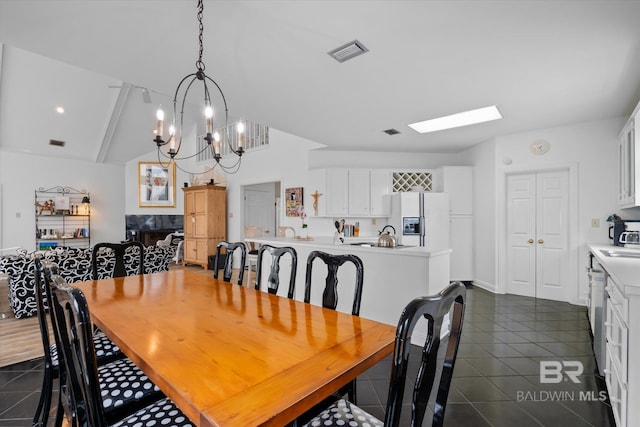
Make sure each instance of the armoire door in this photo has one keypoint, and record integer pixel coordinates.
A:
(537, 234)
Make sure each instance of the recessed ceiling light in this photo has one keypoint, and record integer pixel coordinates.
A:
(465, 118)
(59, 110)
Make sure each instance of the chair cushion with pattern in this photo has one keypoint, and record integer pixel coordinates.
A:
(158, 258)
(344, 413)
(161, 413)
(123, 383)
(105, 348)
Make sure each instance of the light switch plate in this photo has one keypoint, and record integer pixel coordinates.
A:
(595, 222)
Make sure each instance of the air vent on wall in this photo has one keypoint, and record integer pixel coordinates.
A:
(56, 143)
(348, 51)
(391, 131)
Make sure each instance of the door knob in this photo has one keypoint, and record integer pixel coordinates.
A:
(530, 240)
(541, 241)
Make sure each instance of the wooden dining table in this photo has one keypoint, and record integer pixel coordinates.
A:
(228, 355)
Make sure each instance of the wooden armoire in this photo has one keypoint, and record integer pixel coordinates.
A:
(205, 213)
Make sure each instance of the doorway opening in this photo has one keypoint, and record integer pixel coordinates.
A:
(260, 207)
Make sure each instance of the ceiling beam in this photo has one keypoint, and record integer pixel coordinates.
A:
(116, 111)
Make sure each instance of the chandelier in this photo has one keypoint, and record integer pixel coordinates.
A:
(214, 139)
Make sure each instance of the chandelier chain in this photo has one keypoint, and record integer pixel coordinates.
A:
(199, 63)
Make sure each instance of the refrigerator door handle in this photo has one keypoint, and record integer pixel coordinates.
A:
(422, 232)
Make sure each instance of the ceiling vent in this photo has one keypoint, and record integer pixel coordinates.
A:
(56, 143)
(391, 131)
(348, 51)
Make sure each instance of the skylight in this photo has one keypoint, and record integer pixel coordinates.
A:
(465, 118)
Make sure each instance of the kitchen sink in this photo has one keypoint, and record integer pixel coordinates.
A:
(615, 253)
(374, 245)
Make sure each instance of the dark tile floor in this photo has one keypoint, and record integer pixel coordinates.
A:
(496, 378)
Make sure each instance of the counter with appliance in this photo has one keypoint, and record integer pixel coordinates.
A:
(392, 276)
(621, 328)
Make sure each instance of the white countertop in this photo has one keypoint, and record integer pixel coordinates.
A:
(624, 271)
(326, 243)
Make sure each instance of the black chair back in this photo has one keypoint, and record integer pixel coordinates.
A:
(51, 365)
(330, 294)
(433, 309)
(119, 249)
(228, 263)
(43, 322)
(273, 281)
(74, 330)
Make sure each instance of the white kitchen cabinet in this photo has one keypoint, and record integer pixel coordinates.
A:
(359, 193)
(381, 182)
(458, 182)
(629, 163)
(352, 192)
(461, 239)
(621, 328)
(337, 192)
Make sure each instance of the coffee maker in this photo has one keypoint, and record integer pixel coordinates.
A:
(621, 225)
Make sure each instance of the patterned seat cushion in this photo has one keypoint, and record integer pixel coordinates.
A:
(344, 413)
(105, 348)
(161, 413)
(123, 383)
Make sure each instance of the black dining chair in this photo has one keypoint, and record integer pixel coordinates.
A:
(230, 248)
(127, 258)
(330, 293)
(106, 350)
(117, 393)
(273, 281)
(433, 309)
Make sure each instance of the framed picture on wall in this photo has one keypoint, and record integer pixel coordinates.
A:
(156, 185)
(294, 201)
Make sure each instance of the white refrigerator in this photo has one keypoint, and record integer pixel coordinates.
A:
(421, 219)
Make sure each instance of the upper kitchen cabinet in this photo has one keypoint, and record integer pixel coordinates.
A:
(381, 182)
(457, 181)
(352, 192)
(629, 163)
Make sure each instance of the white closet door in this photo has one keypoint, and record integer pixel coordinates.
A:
(537, 233)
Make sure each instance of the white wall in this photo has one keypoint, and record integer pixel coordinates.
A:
(590, 147)
(381, 160)
(21, 174)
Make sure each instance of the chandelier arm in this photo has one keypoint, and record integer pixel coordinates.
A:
(184, 100)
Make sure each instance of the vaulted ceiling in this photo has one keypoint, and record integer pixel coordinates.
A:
(542, 63)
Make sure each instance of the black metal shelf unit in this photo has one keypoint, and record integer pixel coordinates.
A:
(63, 218)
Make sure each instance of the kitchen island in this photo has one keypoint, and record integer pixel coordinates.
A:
(392, 276)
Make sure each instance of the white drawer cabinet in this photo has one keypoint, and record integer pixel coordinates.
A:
(622, 373)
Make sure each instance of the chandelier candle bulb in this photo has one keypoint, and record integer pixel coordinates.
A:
(240, 129)
(160, 117)
(216, 143)
(208, 114)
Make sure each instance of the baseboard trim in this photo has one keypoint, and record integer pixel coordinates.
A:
(484, 285)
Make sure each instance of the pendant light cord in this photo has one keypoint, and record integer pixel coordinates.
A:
(199, 63)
